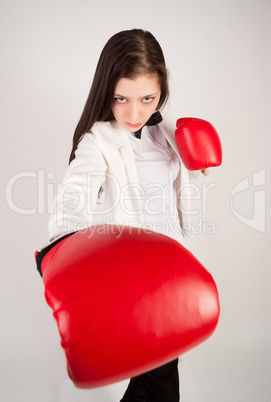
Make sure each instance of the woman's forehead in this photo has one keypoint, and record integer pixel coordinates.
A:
(138, 87)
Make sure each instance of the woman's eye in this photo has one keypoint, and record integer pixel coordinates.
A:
(120, 100)
(148, 99)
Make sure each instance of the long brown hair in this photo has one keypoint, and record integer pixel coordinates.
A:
(127, 54)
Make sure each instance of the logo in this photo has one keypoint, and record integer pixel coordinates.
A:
(257, 222)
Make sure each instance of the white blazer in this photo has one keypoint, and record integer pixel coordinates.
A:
(105, 164)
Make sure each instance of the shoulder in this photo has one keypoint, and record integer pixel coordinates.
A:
(105, 133)
(108, 130)
(168, 126)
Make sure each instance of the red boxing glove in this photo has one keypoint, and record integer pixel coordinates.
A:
(126, 301)
(198, 143)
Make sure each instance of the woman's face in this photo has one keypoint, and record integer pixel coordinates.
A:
(136, 100)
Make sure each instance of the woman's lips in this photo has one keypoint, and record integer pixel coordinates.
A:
(133, 125)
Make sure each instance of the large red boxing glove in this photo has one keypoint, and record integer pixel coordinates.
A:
(126, 301)
(198, 143)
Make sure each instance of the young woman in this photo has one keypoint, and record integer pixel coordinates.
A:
(125, 167)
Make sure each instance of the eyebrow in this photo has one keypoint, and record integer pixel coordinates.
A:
(141, 97)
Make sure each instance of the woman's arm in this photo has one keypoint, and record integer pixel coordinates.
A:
(76, 199)
(197, 174)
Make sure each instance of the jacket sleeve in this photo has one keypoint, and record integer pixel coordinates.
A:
(197, 174)
(76, 199)
(182, 182)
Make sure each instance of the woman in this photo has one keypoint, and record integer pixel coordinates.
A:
(125, 167)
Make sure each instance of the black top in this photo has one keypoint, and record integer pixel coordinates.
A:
(155, 118)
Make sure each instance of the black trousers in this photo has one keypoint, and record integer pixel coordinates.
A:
(158, 385)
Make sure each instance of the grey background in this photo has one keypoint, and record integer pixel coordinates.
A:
(218, 54)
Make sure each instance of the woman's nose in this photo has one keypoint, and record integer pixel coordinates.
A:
(134, 112)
